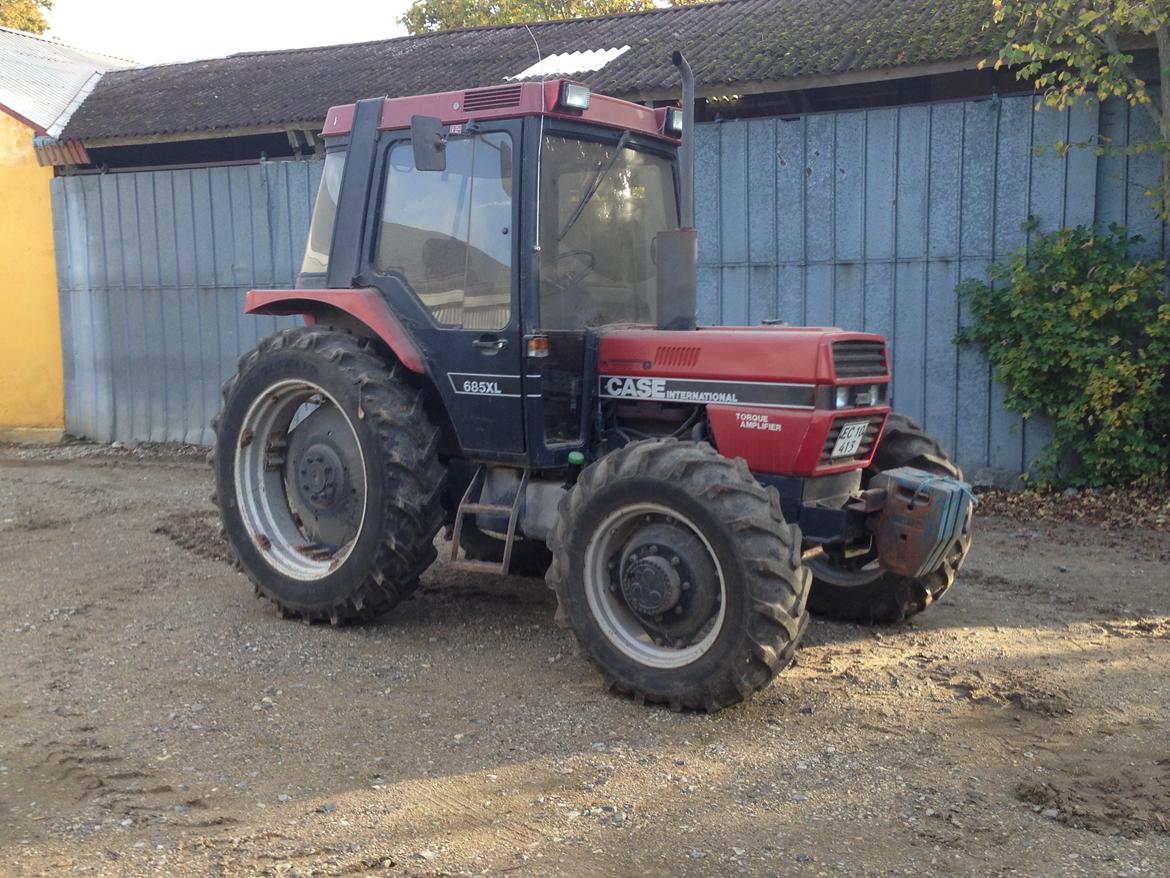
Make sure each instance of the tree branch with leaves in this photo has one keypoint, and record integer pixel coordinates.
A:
(428, 16)
(26, 15)
(1074, 50)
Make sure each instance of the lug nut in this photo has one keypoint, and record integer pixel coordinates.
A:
(686, 586)
(674, 560)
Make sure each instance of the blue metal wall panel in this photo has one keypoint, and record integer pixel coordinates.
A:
(862, 219)
(877, 215)
(152, 268)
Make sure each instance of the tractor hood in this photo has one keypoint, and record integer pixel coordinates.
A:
(773, 355)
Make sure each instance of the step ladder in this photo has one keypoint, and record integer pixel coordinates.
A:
(467, 506)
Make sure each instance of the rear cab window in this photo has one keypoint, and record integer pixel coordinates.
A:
(316, 259)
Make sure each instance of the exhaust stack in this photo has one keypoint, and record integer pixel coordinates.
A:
(686, 152)
(677, 252)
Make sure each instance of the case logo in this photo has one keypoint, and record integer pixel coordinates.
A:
(636, 388)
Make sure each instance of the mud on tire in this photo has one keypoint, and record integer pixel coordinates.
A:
(755, 552)
(403, 477)
(880, 596)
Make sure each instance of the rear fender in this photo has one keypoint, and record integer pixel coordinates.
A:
(366, 307)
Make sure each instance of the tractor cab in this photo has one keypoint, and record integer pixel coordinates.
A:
(504, 225)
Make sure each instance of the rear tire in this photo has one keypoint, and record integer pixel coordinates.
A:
(877, 596)
(738, 587)
(348, 568)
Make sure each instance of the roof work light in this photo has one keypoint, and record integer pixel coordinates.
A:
(574, 96)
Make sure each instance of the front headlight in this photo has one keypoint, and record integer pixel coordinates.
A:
(842, 401)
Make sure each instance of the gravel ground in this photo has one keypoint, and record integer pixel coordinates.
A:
(156, 719)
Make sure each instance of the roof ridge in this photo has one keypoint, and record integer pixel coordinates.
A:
(60, 45)
(256, 53)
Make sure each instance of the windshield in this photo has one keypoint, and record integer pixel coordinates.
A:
(601, 207)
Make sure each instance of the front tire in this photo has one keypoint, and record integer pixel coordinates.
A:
(678, 575)
(327, 476)
(860, 590)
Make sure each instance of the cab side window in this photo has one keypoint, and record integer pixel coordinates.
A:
(448, 234)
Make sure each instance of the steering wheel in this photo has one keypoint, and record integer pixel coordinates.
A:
(586, 257)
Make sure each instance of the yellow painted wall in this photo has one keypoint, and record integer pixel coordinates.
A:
(32, 393)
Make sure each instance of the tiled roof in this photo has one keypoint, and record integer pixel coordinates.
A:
(39, 78)
(730, 44)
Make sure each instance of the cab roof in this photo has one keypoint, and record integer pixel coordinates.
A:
(508, 101)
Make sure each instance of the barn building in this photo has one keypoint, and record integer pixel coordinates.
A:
(853, 165)
(41, 84)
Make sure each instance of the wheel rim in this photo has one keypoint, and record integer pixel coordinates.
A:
(655, 586)
(300, 478)
(862, 572)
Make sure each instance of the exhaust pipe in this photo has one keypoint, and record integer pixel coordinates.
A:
(686, 152)
(676, 253)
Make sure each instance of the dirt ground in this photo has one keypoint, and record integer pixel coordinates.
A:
(156, 719)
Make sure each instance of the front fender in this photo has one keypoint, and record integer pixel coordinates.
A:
(364, 305)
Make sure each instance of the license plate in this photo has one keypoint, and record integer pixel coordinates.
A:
(850, 438)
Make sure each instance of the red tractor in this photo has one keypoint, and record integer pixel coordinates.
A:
(499, 295)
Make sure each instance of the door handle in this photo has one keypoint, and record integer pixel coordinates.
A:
(490, 346)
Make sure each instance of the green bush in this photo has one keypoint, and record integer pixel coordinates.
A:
(1077, 330)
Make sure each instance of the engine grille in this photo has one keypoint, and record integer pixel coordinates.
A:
(864, 450)
(859, 359)
(495, 98)
(676, 355)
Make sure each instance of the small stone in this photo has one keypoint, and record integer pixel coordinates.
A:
(427, 855)
(327, 808)
(697, 854)
(283, 797)
(1050, 813)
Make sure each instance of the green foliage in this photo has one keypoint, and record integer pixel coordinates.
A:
(1072, 50)
(26, 15)
(427, 16)
(1078, 331)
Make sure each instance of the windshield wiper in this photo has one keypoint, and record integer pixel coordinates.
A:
(594, 185)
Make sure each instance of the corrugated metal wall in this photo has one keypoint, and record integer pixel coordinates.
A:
(858, 219)
(152, 269)
(869, 219)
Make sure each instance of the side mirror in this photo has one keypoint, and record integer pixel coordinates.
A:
(429, 143)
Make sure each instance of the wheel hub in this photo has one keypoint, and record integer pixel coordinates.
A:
(321, 476)
(650, 584)
(668, 579)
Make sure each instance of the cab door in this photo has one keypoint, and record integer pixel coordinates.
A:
(444, 254)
